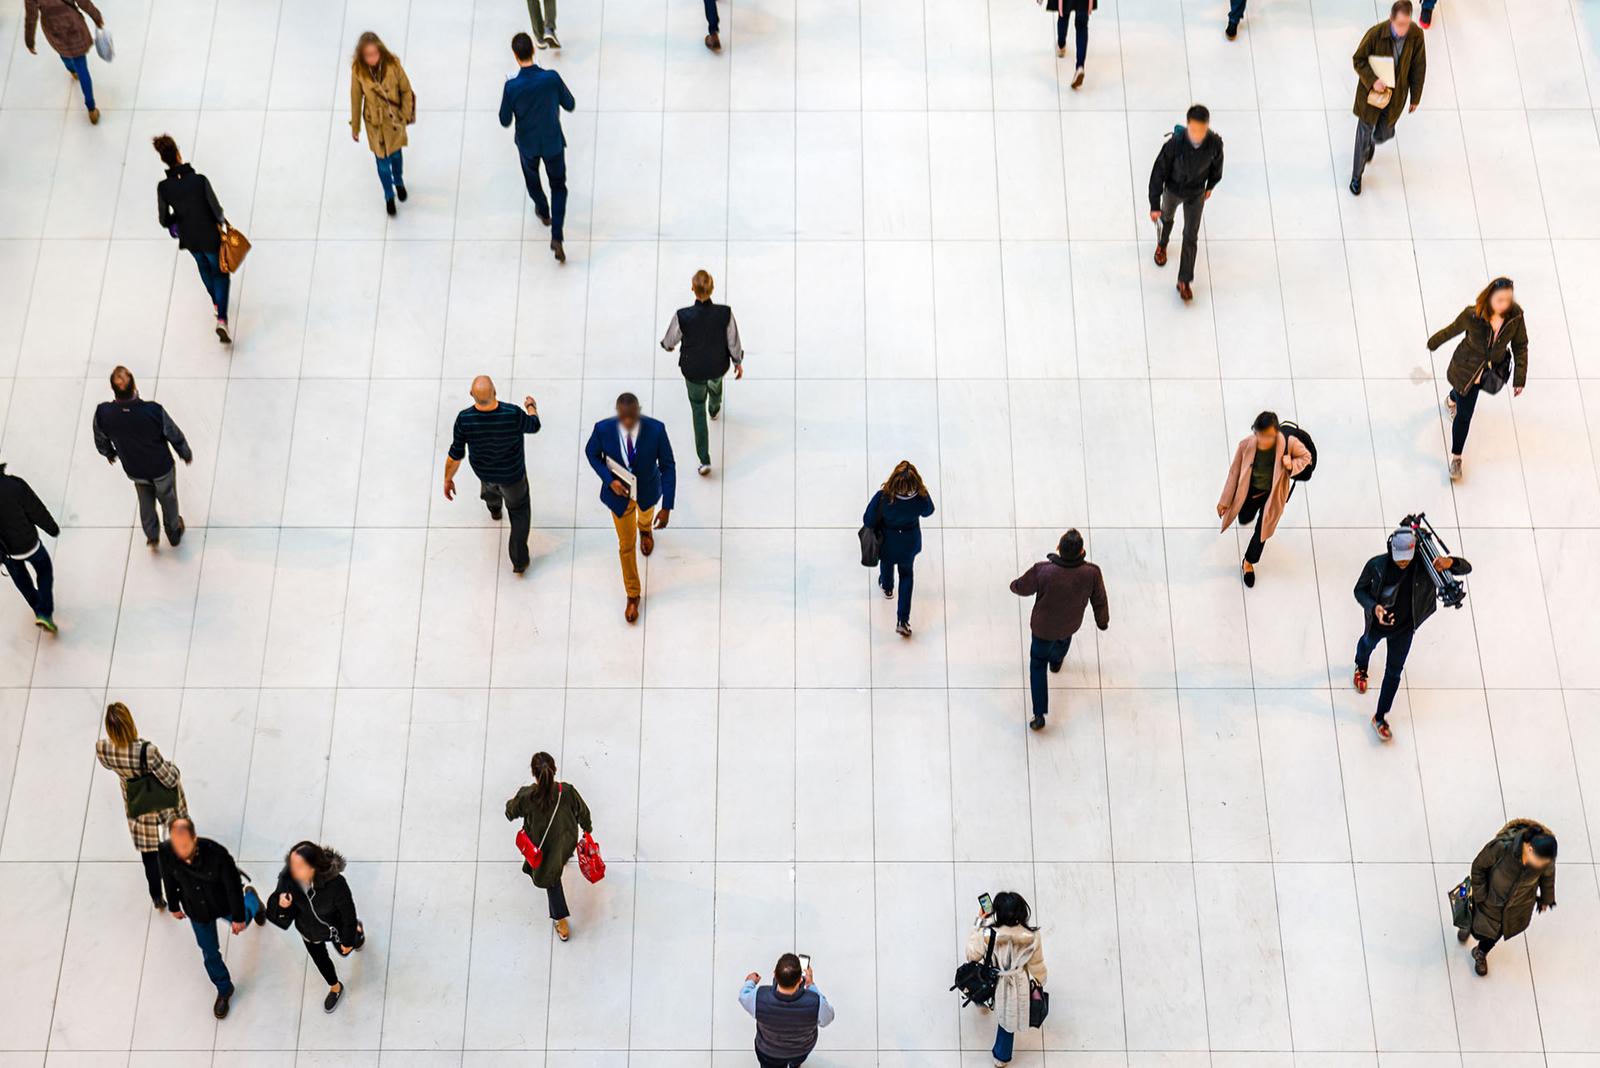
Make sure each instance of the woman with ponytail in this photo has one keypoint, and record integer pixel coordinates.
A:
(553, 815)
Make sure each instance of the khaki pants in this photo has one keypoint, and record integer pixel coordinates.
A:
(629, 524)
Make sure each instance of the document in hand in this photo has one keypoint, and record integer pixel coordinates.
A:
(626, 477)
(1383, 67)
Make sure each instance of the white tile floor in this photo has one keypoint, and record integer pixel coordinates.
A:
(937, 250)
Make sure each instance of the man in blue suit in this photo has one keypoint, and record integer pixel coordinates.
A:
(532, 97)
(636, 444)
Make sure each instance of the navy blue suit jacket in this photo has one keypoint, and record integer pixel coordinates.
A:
(532, 97)
(653, 465)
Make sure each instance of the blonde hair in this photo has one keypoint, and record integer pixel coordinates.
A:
(119, 724)
(702, 284)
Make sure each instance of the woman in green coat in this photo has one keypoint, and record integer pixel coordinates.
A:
(1514, 874)
(1494, 335)
(552, 815)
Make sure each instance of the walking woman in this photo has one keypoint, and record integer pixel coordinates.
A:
(1495, 338)
(152, 790)
(65, 31)
(312, 894)
(1258, 485)
(552, 815)
(898, 510)
(381, 96)
(1512, 876)
(1019, 954)
(187, 208)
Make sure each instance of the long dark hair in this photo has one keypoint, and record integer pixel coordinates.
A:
(543, 766)
(325, 863)
(1011, 910)
(358, 64)
(905, 481)
(1481, 306)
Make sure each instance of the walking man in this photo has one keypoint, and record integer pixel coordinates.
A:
(489, 434)
(22, 516)
(1511, 877)
(534, 97)
(143, 436)
(542, 13)
(1186, 170)
(710, 339)
(1401, 46)
(788, 1013)
(1062, 585)
(713, 40)
(633, 458)
(203, 886)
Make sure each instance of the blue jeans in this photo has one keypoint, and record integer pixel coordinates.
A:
(1002, 1044)
(41, 598)
(205, 935)
(1399, 649)
(711, 16)
(389, 173)
(1042, 655)
(1427, 7)
(1466, 404)
(555, 209)
(886, 572)
(79, 65)
(1079, 10)
(1235, 11)
(215, 279)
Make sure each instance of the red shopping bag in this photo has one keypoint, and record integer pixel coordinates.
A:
(589, 860)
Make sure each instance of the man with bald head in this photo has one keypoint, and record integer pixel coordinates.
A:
(489, 435)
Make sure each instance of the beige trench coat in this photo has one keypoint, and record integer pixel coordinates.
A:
(1236, 487)
(386, 106)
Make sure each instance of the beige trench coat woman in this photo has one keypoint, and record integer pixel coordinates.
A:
(385, 104)
(1019, 954)
(1236, 487)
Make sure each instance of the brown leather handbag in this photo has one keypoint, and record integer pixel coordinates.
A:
(235, 246)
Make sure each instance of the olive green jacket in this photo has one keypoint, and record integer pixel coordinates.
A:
(1480, 347)
(1504, 891)
(571, 817)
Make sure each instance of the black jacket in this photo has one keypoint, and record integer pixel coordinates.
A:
(1185, 169)
(187, 199)
(210, 888)
(1380, 581)
(21, 514)
(139, 432)
(326, 913)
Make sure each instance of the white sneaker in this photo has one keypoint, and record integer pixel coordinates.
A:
(705, 469)
(1455, 469)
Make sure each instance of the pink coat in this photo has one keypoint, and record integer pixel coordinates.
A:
(1237, 486)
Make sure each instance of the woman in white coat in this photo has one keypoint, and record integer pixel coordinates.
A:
(1019, 954)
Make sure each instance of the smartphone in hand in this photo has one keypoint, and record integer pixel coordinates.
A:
(985, 905)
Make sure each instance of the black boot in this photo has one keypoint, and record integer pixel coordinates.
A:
(400, 191)
(388, 205)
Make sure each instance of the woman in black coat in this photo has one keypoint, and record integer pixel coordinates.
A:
(1495, 340)
(187, 208)
(312, 894)
(898, 509)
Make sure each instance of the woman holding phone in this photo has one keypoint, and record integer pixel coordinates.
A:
(1018, 953)
(312, 894)
(552, 814)
(1493, 348)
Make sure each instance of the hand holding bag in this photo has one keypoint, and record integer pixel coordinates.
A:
(1038, 1004)
(1461, 905)
(102, 44)
(1494, 376)
(872, 539)
(230, 257)
(531, 853)
(590, 863)
(147, 794)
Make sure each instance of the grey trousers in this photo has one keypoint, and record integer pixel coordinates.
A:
(161, 490)
(543, 15)
(1368, 137)
(1193, 208)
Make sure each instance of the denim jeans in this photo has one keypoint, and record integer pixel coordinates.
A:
(1041, 656)
(554, 209)
(205, 935)
(389, 173)
(215, 279)
(1427, 7)
(1466, 404)
(1399, 648)
(886, 572)
(79, 65)
(40, 597)
(711, 16)
(1003, 1040)
(1079, 10)
(1235, 11)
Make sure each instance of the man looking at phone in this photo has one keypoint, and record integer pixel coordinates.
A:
(787, 1013)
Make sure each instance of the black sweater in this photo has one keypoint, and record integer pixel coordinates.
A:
(1185, 169)
(22, 514)
(139, 432)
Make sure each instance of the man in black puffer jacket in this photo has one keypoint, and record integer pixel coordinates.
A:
(22, 516)
(204, 885)
(1186, 170)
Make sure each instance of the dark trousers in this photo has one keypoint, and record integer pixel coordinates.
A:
(554, 209)
(558, 902)
(886, 572)
(1043, 655)
(1254, 505)
(391, 172)
(711, 16)
(37, 589)
(1486, 944)
(1193, 208)
(1466, 404)
(215, 279)
(703, 395)
(1427, 9)
(779, 1062)
(79, 65)
(318, 952)
(1079, 10)
(162, 490)
(152, 873)
(1235, 12)
(1368, 137)
(513, 497)
(1399, 648)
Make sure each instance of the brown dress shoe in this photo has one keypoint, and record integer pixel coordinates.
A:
(1161, 255)
(647, 542)
(631, 613)
(563, 930)
(1184, 291)
(713, 42)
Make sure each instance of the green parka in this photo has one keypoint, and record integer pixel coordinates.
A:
(570, 816)
(1504, 890)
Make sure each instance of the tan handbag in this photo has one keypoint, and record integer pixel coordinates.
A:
(1380, 100)
(235, 246)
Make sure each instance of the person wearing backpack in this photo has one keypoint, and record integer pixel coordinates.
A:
(1493, 348)
(1018, 954)
(382, 100)
(897, 510)
(313, 895)
(552, 814)
(1266, 464)
(65, 32)
(152, 790)
(1187, 168)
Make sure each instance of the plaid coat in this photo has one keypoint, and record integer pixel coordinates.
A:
(124, 760)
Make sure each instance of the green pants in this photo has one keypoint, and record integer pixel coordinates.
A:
(543, 15)
(699, 394)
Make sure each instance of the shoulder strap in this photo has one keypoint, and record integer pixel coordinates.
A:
(144, 758)
(988, 954)
(560, 793)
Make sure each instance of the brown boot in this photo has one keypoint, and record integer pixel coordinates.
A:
(631, 613)
(1184, 291)
(1161, 255)
(647, 542)
(713, 42)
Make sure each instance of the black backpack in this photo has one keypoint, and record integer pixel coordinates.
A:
(1295, 431)
(977, 979)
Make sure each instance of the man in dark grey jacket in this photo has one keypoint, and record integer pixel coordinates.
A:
(1186, 170)
(787, 1013)
(22, 516)
(1062, 585)
(143, 436)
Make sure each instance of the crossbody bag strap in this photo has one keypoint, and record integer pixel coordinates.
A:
(988, 954)
(560, 793)
(144, 758)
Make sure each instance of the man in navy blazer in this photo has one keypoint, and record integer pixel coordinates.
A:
(532, 96)
(639, 445)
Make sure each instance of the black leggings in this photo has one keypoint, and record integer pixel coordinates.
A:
(318, 952)
(152, 874)
(1254, 508)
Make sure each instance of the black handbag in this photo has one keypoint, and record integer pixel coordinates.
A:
(1461, 906)
(1038, 1004)
(871, 537)
(147, 794)
(977, 980)
(1495, 376)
